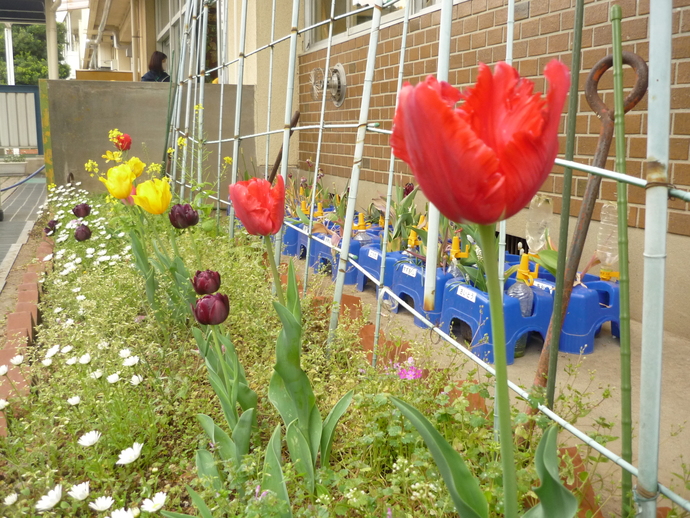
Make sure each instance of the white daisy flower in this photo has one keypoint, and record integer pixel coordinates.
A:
(17, 360)
(103, 345)
(3, 404)
(89, 439)
(50, 500)
(125, 353)
(71, 361)
(90, 250)
(66, 349)
(47, 362)
(68, 322)
(114, 378)
(122, 513)
(57, 310)
(129, 362)
(3, 370)
(80, 491)
(52, 351)
(47, 257)
(102, 503)
(151, 505)
(74, 401)
(96, 374)
(121, 234)
(129, 455)
(76, 290)
(136, 380)
(81, 297)
(85, 358)
(10, 499)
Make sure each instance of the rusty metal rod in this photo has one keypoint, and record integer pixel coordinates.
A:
(279, 158)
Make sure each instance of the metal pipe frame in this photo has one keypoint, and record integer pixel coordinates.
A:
(270, 89)
(356, 167)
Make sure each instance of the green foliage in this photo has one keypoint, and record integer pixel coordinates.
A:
(31, 54)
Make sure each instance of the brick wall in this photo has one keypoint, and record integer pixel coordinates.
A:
(543, 31)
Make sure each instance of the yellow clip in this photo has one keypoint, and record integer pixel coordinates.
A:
(523, 273)
(607, 275)
(455, 249)
(413, 240)
(422, 221)
(382, 221)
(301, 191)
(319, 210)
(303, 206)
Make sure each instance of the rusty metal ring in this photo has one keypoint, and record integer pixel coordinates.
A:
(635, 96)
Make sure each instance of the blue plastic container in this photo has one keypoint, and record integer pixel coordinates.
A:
(408, 283)
(290, 240)
(370, 260)
(466, 304)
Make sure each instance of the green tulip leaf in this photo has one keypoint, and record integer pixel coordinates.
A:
(242, 434)
(199, 503)
(555, 501)
(315, 430)
(273, 478)
(224, 444)
(329, 425)
(469, 499)
(281, 400)
(229, 410)
(301, 454)
(548, 259)
(292, 295)
(246, 397)
(171, 514)
(207, 470)
(202, 343)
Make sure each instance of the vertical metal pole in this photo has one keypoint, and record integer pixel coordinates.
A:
(270, 90)
(389, 192)
(624, 280)
(9, 53)
(317, 162)
(356, 167)
(510, 38)
(202, 82)
(573, 96)
(222, 13)
(434, 214)
(238, 107)
(51, 38)
(134, 23)
(188, 106)
(289, 94)
(656, 201)
(178, 97)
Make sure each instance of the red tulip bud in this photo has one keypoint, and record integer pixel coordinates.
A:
(212, 309)
(206, 282)
(123, 142)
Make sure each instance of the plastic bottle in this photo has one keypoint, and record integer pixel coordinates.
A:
(521, 291)
(607, 240)
(538, 219)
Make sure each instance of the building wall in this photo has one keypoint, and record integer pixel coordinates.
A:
(543, 31)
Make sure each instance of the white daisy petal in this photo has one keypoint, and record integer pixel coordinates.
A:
(151, 505)
(114, 378)
(129, 455)
(74, 400)
(50, 500)
(102, 503)
(89, 438)
(3, 370)
(17, 360)
(10, 499)
(80, 491)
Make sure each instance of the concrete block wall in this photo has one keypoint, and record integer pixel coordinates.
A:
(543, 31)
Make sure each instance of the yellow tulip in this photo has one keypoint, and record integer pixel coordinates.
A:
(136, 165)
(153, 196)
(119, 182)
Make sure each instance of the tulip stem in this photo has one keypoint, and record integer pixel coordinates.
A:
(274, 269)
(487, 238)
(221, 359)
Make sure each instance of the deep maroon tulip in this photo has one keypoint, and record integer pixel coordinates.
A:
(82, 233)
(52, 224)
(82, 210)
(212, 309)
(183, 216)
(409, 187)
(206, 282)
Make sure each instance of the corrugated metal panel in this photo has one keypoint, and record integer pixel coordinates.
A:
(18, 120)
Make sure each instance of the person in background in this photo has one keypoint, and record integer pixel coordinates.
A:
(156, 73)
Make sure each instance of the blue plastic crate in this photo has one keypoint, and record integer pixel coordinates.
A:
(468, 305)
(370, 260)
(408, 283)
(290, 240)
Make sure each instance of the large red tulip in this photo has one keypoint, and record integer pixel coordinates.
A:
(260, 207)
(484, 160)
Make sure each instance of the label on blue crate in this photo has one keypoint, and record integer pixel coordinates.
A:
(409, 270)
(374, 254)
(467, 293)
(544, 286)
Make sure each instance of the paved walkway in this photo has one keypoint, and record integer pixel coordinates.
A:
(19, 207)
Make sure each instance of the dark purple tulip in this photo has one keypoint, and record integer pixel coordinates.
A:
(212, 309)
(82, 210)
(52, 224)
(183, 216)
(82, 233)
(206, 282)
(409, 187)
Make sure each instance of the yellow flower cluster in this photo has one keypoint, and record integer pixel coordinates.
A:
(154, 169)
(181, 142)
(91, 167)
(227, 160)
(115, 156)
(113, 134)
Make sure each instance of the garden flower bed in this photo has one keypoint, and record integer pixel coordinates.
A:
(111, 422)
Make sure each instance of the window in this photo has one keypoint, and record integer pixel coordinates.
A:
(321, 10)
